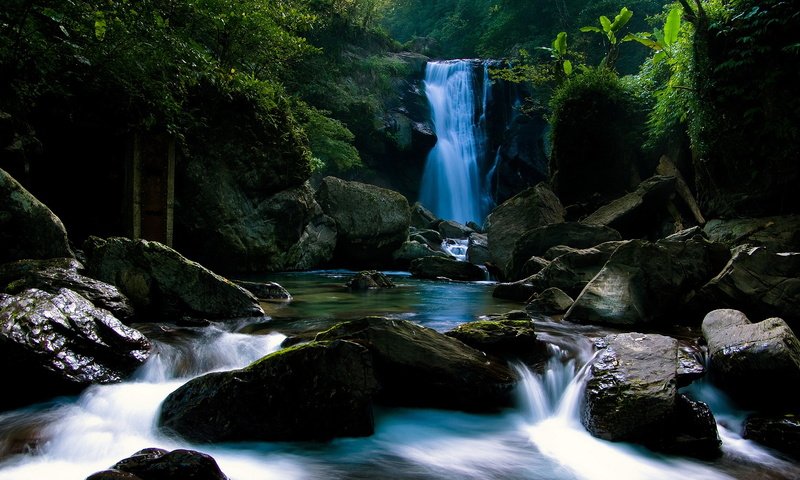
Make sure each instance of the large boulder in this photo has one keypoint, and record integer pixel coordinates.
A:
(778, 234)
(235, 229)
(28, 229)
(412, 250)
(757, 281)
(478, 249)
(645, 282)
(534, 207)
(265, 291)
(639, 214)
(752, 361)
(551, 301)
(453, 229)
(58, 344)
(313, 391)
(372, 222)
(421, 217)
(160, 464)
(419, 367)
(631, 395)
(54, 274)
(440, 267)
(369, 279)
(537, 241)
(781, 432)
(162, 284)
(510, 338)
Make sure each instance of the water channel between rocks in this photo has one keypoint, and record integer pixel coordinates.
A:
(541, 438)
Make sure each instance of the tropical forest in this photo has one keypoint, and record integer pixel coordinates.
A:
(400, 239)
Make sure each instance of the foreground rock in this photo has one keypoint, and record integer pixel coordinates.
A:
(645, 282)
(535, 207)
(537, 241)
(440, 267)
(266, 291)
(28, 229)
(552, 301)
(632, 396)
(162, 284)
(502, 337)
(372, 222)
(778, 234)
(419, 367)
(314, 391)
(59, 344)
(752, 361)
(160, 464)
(758, 281)
(781, 432)
(54, 274)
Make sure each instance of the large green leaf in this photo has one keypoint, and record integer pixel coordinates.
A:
(560, 43)
(568, 67)
(621, 20)
(606, 23)
(672, 26)
(590, 28)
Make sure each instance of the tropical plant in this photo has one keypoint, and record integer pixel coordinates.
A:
(612, 31)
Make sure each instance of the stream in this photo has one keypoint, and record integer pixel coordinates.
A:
(541, 438)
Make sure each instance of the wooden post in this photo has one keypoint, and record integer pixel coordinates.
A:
(152, 188)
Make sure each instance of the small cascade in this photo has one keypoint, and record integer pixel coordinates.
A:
(456, 247)
(451, 183)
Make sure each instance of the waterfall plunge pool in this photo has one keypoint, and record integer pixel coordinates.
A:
(541, 438)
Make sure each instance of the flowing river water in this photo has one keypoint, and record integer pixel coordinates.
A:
(541, 438)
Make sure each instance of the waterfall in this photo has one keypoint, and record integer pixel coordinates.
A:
(451, 184)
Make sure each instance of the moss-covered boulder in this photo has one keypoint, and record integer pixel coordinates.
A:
(369, 279)
(160, 464)
(28, 229)
(502, 337)
(163, 284)
(372, 222)
(313, 391)
(419, 367)
(752, 361)
(58, 344)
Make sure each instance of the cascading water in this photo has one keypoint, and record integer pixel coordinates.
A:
(451, 184)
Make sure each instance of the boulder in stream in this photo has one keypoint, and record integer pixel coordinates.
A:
(448, 268)
(412, 250)
(419, 367)
(369, 279)
(551, 301)
(160, 464)
(502, 337)
(778, 431)
(163, 284)
(313, 391)
(752, 361)
(58, 344)
(452, 229)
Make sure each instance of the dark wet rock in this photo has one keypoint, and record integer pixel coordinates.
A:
(54, 274)
(433, 238)
(757, 281)
(630, 395)
(536, 241)
(691, 365)
(752, 361)
(421, 217)
(59, 344)
(438, 267)
(640, 213)
(419, 367)
(778, 234)
(265, 291)
(693, 431)
(686, 234)
(451, 229)
(475, 227)
(551, 301)
(780, 432)
(534, 207)
(412, 250)
(313, 391)
(28, 229)
(369, 279)
(554, 252)
(533, 266)
(372, 222)
(505, 338)
(162, 284)
(645, 282)
(233, 225)
(160, 464)
(478, 249)
(570, 272)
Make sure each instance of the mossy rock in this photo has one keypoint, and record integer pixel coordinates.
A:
(505, 338)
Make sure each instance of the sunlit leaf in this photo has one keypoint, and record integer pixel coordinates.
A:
(606, 23)
(560, 43)
(672, 26)
(621, 20)
(568, 67)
